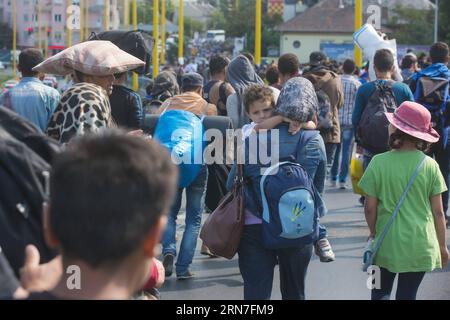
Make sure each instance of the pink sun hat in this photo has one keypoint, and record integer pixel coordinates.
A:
(415, 120)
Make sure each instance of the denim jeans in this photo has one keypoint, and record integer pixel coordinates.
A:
(195, 202)
(407, 287)
(257, 264)
(343, 156)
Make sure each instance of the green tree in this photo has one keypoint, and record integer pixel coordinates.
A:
(412, 26)
(191, 26)
(239, 20)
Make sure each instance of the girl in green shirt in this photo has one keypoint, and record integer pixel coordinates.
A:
(415, 242)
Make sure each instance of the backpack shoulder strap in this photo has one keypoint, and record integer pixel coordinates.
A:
(223, 92)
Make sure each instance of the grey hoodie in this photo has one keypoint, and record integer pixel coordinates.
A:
(241, 74)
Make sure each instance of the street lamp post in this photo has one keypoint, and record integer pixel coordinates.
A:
(14, 38)
(135, 76)
(436, 22)
(155, 36)
(81, 21)
(180, 32)
(163, 32)
(40, 24)
(358, 25)
(69, 27)
(258, 33)
(106, 17)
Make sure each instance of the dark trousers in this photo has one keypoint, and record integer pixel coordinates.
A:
(257, 264)
(442, 157)
(408, 285)
(331, 154)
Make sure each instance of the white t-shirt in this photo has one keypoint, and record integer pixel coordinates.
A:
(247, 130)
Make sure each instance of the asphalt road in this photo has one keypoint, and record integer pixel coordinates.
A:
(219, 279)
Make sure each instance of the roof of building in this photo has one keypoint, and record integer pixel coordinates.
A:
(327, 17)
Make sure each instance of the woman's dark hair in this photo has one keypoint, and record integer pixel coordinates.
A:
(398, 138)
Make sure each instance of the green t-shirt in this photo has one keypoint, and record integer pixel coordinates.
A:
(411, 244)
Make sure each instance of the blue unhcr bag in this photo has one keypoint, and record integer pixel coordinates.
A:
(181, 132)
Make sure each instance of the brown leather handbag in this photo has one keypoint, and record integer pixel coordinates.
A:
(222, 231)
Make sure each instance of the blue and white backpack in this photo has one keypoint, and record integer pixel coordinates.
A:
(290, 207)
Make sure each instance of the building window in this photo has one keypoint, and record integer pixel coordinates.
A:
(296, 44)
(58, 18)
(25, 17)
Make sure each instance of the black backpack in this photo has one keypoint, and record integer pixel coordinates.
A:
(434, 94)
(22, 185)
(372, 132)
(325, 121)
(26, 132)
(25, 155)
(138, 43)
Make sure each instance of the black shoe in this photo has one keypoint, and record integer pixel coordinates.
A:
(185, 276)
(168, 264)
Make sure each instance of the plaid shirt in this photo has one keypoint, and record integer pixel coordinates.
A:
(350, 87)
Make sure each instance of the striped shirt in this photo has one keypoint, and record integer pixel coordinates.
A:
(350, 86)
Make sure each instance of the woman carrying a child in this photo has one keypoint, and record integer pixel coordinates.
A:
(298, 102)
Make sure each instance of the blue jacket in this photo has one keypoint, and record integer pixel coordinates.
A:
(311, 156)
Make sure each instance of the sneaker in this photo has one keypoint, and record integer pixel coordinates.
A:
(168, 264)
(324, 251)
(185, 276)
(342, 186)
(206, 252)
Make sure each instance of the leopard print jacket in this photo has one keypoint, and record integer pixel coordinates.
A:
(83, 108)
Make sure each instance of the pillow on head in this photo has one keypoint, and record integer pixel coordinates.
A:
(99, 58)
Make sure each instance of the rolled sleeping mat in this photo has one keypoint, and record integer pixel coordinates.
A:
(220, 123)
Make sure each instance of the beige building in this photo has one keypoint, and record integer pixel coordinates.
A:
(324, 23)
(330, 23)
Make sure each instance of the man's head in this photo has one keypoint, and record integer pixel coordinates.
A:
(409, 62)
(110, 194)
(28, 59)
(288, 66)
(384, 62)
(192, 82)
(317, 58)
(439, 53)
(259, 103)
(349, 67)
(218, 66)
(273, 75)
